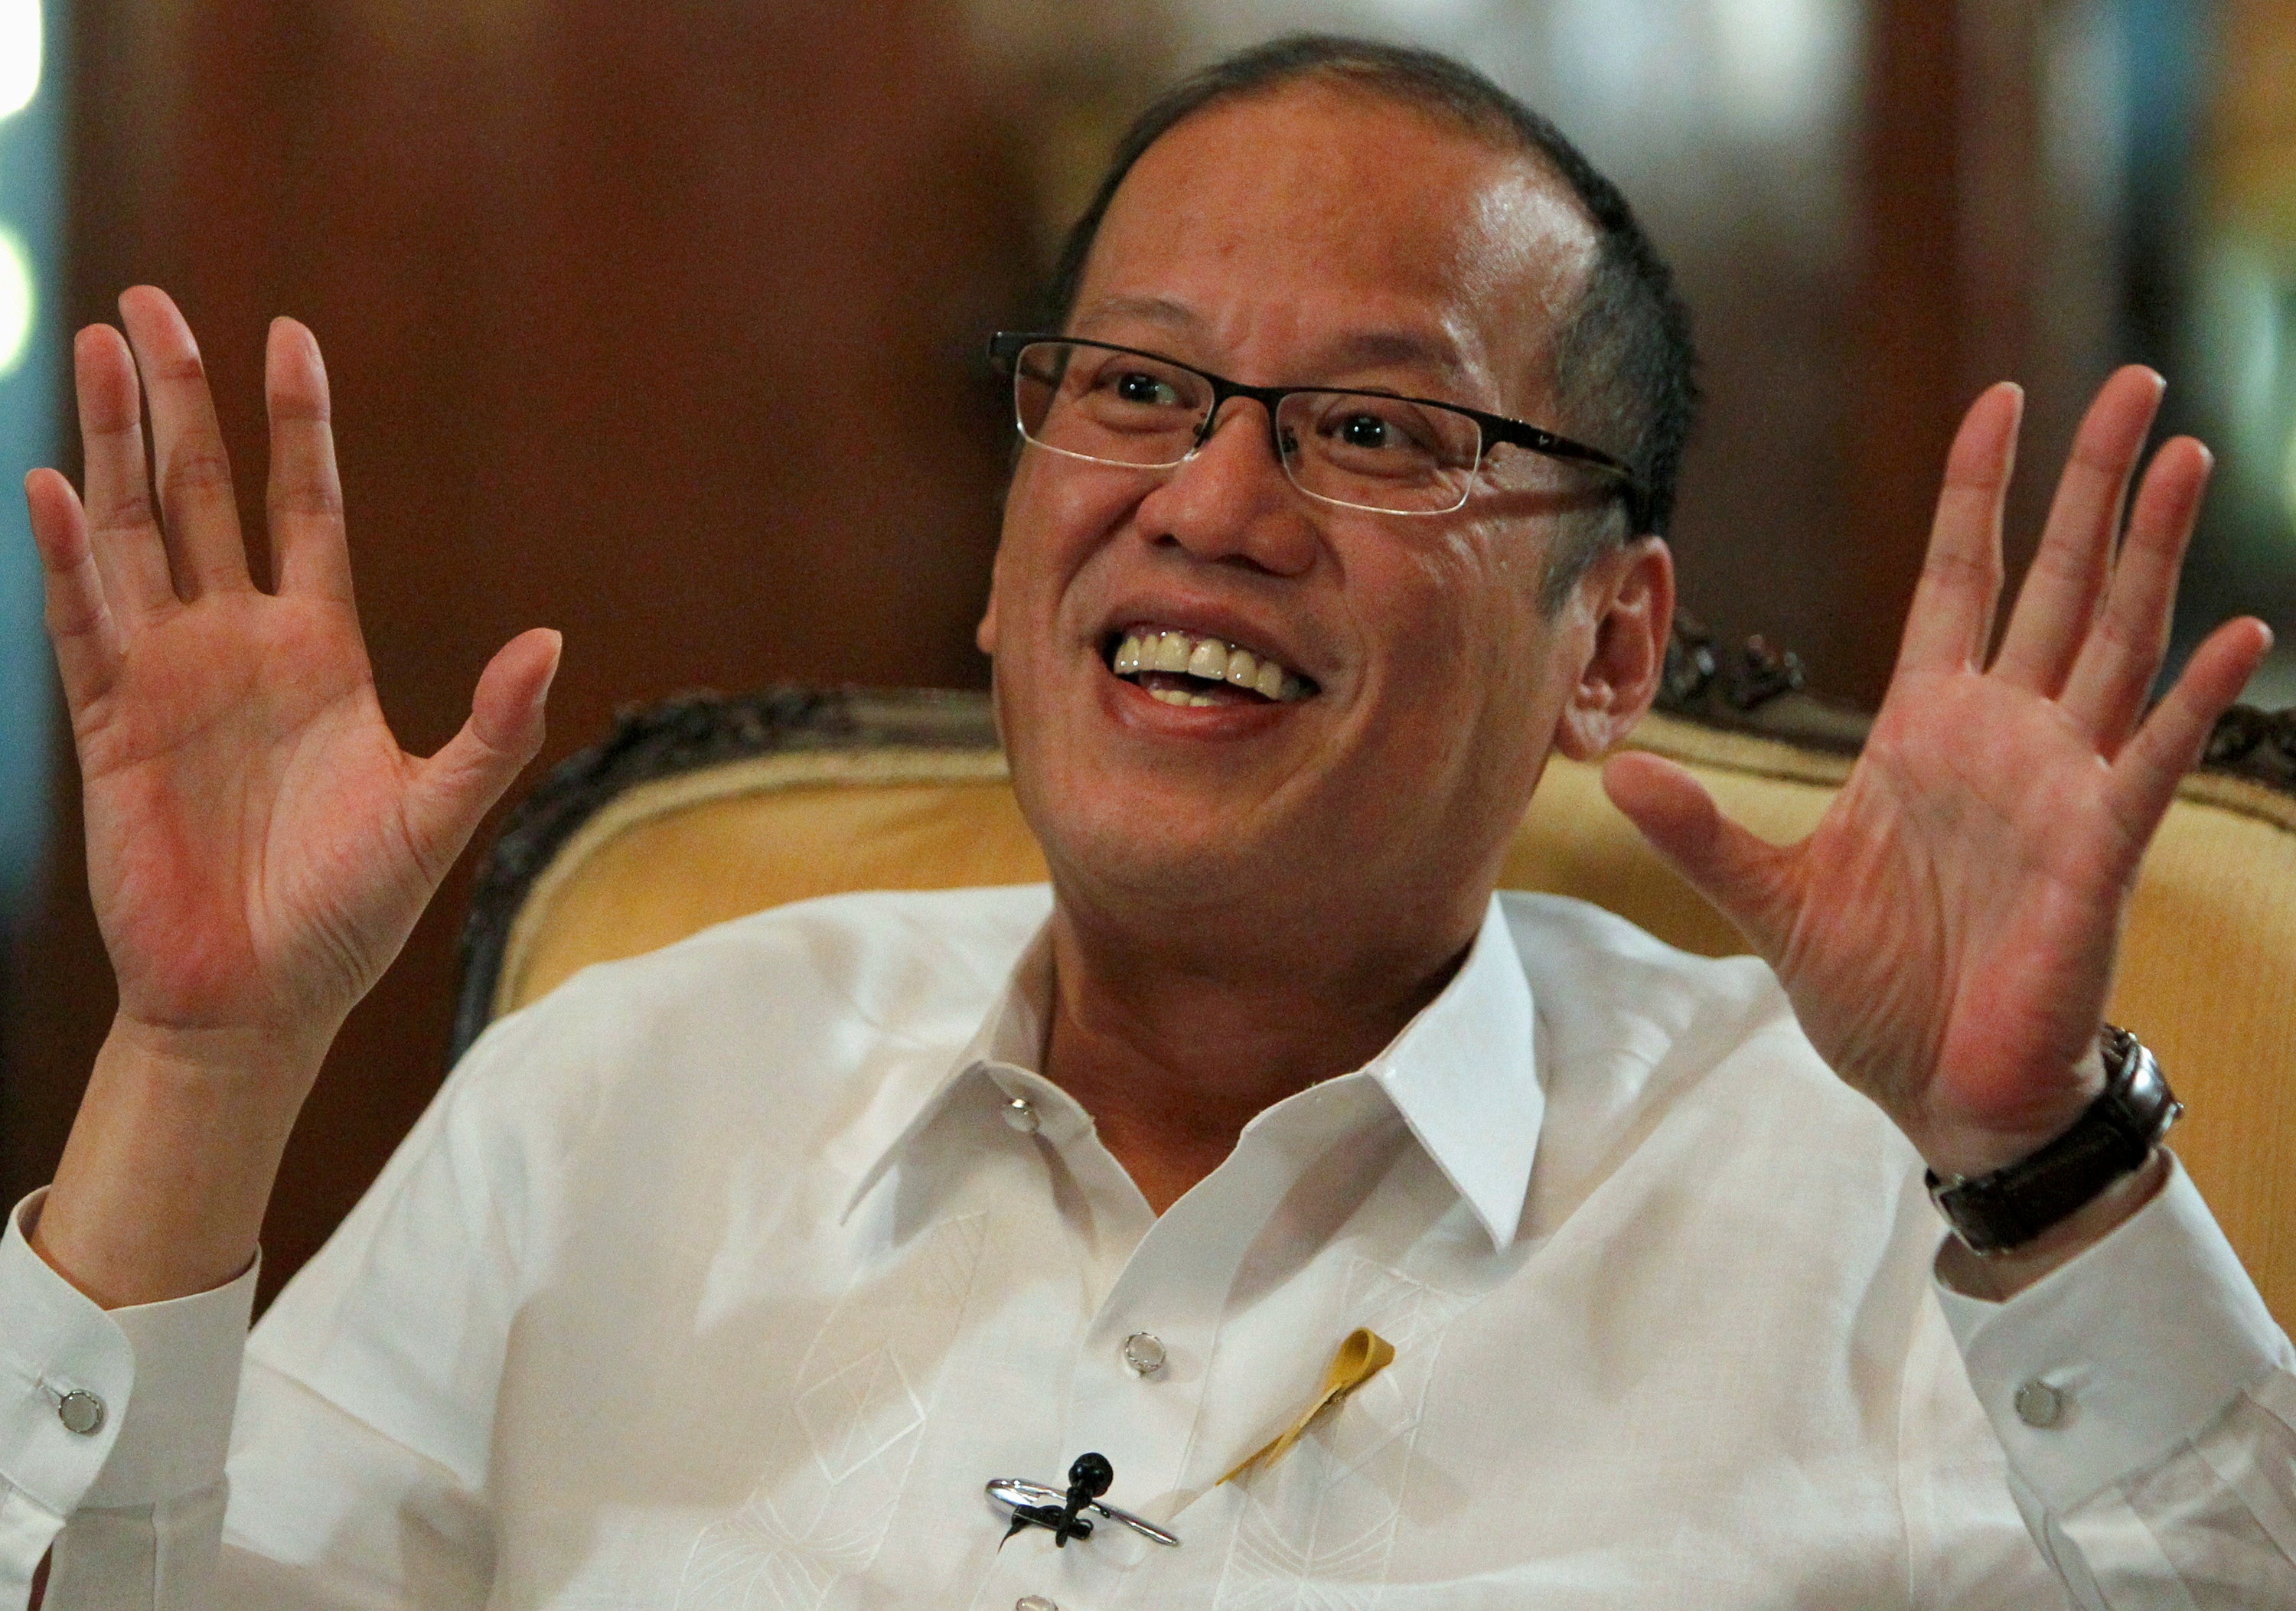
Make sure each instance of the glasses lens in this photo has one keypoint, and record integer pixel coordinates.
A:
(1116, 407)
(1379, 452)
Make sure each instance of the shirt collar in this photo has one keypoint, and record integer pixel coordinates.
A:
(1010, 1042)
(1463, 1074)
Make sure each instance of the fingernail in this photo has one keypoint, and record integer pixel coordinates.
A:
(557, 658)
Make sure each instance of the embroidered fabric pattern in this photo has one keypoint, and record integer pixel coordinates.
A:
(857, 1406)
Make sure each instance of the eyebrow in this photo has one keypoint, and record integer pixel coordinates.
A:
(1372, 348)
(1156, 310)
(1358, 349)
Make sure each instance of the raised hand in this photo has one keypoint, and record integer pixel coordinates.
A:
(1947, 934)
(258, 846)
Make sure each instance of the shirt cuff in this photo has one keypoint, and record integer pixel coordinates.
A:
(114, 1409)
(2109, 1364)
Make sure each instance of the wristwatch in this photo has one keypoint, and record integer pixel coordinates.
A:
(2002, 1210)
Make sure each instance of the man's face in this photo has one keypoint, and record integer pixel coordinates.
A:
(1314, 236)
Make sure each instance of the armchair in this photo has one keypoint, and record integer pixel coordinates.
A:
(704, 808)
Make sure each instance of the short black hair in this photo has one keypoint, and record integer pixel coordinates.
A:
(1625, 367)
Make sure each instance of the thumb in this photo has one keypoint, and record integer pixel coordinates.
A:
(453, 788)
(1747, 879)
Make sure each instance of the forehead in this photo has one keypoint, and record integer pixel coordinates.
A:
(1318, 221)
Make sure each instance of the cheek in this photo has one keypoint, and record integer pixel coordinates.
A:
(1468, 601)
(1069, 503)
(1473, 703)
(1057, 518)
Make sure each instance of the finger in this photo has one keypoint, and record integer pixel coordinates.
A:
(1952, 614)
(79, 621)
(2058, 603)
(305, 493)
(2114, 672)
(2152, 764)
(1745, 878)
(123, 528)
(454, 787)
(198, 513)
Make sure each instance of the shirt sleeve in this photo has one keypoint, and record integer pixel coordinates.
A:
(2146, 1402)
(335, 1458)
(152, 1493)
(114, 1428)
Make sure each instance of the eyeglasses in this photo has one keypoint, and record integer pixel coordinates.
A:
(1374, 450)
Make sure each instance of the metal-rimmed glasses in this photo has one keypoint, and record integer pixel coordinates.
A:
(1110, 405)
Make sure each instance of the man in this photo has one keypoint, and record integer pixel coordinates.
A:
(728, 1276)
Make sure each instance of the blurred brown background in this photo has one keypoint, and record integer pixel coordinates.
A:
(658, 324)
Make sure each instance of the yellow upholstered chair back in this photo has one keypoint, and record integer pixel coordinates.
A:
(707, 810)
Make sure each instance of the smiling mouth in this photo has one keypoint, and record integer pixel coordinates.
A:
(1190, 668)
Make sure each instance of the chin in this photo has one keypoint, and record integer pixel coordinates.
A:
(1167, 856)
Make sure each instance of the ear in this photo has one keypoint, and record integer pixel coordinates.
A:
(1628, 594)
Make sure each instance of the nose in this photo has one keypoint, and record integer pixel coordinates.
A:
(1232, 407)
(1231, 500)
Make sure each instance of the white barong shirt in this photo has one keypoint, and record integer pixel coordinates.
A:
(728, 1276)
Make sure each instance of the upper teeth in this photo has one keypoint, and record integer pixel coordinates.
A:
(1213, 659)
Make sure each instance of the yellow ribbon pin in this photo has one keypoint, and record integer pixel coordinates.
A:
(1361, 1357)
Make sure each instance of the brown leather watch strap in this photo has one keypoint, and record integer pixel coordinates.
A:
(2114, 1135)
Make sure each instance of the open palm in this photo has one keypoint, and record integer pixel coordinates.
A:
(258, 846)
(1946, 934)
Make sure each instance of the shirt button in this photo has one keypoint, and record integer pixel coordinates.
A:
(2039, 1404)
(1020, 1113)
(81, 1412)
(1034, 1602)
(1143, 1354)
